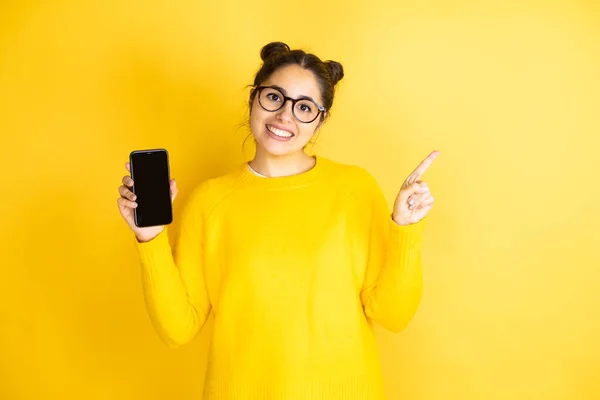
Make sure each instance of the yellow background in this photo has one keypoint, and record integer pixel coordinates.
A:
(508, 92)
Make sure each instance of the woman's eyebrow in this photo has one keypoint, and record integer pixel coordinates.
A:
(282, 90)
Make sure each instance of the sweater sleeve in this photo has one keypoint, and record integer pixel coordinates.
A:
(393, 282)
(173, 279)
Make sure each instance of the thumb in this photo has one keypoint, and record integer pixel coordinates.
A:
(417, 187)
(174, 189)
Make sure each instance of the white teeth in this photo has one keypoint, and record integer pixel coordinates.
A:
(279, 132)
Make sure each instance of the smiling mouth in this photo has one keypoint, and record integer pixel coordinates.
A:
(279, 132)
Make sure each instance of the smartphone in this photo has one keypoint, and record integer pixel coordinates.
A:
(151, 185)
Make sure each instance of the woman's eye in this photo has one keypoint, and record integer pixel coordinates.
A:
(273, 97)
(304, 108)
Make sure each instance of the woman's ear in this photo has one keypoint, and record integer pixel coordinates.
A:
(322, 121)
(250, 100)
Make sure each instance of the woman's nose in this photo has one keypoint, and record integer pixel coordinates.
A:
(285, 113)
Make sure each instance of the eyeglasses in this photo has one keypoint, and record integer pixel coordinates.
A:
(304, 109)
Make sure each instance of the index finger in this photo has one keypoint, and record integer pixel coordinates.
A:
(420, 170)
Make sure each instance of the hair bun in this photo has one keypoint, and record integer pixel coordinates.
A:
(273, 49)
(336, 71)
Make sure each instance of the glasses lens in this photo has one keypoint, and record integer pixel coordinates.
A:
(305, 111)
(271, 99)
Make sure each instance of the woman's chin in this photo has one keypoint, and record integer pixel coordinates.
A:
(278, 151)
(278, 148)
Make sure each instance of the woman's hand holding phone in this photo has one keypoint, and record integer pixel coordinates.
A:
(127, 204)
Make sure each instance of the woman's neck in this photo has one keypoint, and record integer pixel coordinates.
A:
(278, 166)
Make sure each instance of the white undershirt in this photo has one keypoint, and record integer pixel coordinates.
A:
(256, 173)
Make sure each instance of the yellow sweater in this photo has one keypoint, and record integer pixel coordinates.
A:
(295, 269)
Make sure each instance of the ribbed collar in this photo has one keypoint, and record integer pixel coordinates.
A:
(284, 182)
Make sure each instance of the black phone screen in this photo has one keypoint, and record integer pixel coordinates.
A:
(151, 185)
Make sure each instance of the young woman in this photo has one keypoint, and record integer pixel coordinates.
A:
(295, 255)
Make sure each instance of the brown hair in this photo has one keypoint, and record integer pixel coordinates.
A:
(276, 55)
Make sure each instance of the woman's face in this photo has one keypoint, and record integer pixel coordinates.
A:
(272, 129)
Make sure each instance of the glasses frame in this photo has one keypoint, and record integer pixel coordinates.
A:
(321, 109)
